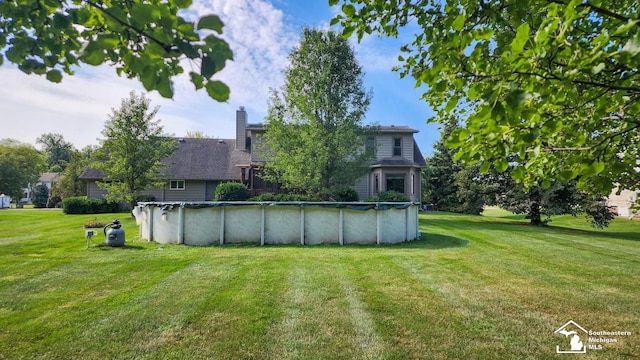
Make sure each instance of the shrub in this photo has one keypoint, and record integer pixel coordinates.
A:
(345, 193)
(82, 205)
(54, 202)
(264, 197)
(41, 195)
(388, 196)
(231, 191)
(285, 197)
(296, 197)
(93, 224)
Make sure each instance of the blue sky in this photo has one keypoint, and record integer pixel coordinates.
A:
(261, 34)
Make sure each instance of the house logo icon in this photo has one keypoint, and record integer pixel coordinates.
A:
(572, 332)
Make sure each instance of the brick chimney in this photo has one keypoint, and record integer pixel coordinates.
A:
(241, 129)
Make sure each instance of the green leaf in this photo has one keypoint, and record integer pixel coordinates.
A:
(597, 167)
(348, 31)
(149, 77)
(92, 53)
(115, 19)
(522, 35)
(566, 175)
(207, 67)
(218, 90)
(189, 50)
(183, 4)
(349, 10)
(633, 45)
(145, 13)
(458, 23)
(516, 98)
(517, 173)
(197, 80)
(211, 22)
(596, 69)
(164, 87)
(484, 168)
(15, 54)
(501, 165)
(333, 2)
(54, 76)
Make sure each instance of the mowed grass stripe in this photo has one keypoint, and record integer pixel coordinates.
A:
(323, 315)
(474, 287)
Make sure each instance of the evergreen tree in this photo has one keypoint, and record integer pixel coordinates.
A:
(452, 186)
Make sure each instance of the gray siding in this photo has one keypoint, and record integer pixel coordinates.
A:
(194, 190)
(384, 146)
(94, 191)
(362, 187)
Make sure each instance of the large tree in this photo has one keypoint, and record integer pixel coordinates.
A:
(440, 172)
(315, 122)
(144, 39)
(540, 203)
(70, 183)
(452, 186)
(556, 82)
(57, 151)
(20, 166)
(133, 150)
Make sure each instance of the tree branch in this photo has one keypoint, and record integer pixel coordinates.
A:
(598, 144)
(165, 47)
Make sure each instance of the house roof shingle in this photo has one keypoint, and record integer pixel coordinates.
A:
(50, 177)
(198, 159)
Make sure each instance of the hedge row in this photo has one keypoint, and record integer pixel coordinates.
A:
(82, 205)
(284, 197)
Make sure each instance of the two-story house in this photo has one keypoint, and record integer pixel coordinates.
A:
(198, 165)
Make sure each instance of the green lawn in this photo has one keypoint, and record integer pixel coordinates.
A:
(482, 287)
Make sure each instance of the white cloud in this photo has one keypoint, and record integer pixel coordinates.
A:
(78, 107)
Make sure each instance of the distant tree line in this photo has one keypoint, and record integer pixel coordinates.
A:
(452, 186)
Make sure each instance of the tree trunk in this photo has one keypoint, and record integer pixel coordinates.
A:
(534, 214)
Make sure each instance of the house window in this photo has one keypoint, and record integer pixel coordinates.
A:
(395, 183)
(176, 185)
(397, 146)
(376, 184)
(413, 184)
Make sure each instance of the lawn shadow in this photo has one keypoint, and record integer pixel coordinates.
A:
(105, 247)
(435, 242)
(612, 235)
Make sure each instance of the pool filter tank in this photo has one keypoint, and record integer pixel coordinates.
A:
(115, 235)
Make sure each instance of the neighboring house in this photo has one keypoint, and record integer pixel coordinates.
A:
(198, 165)
(48, 179)
(195, 169)
(621, 204)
